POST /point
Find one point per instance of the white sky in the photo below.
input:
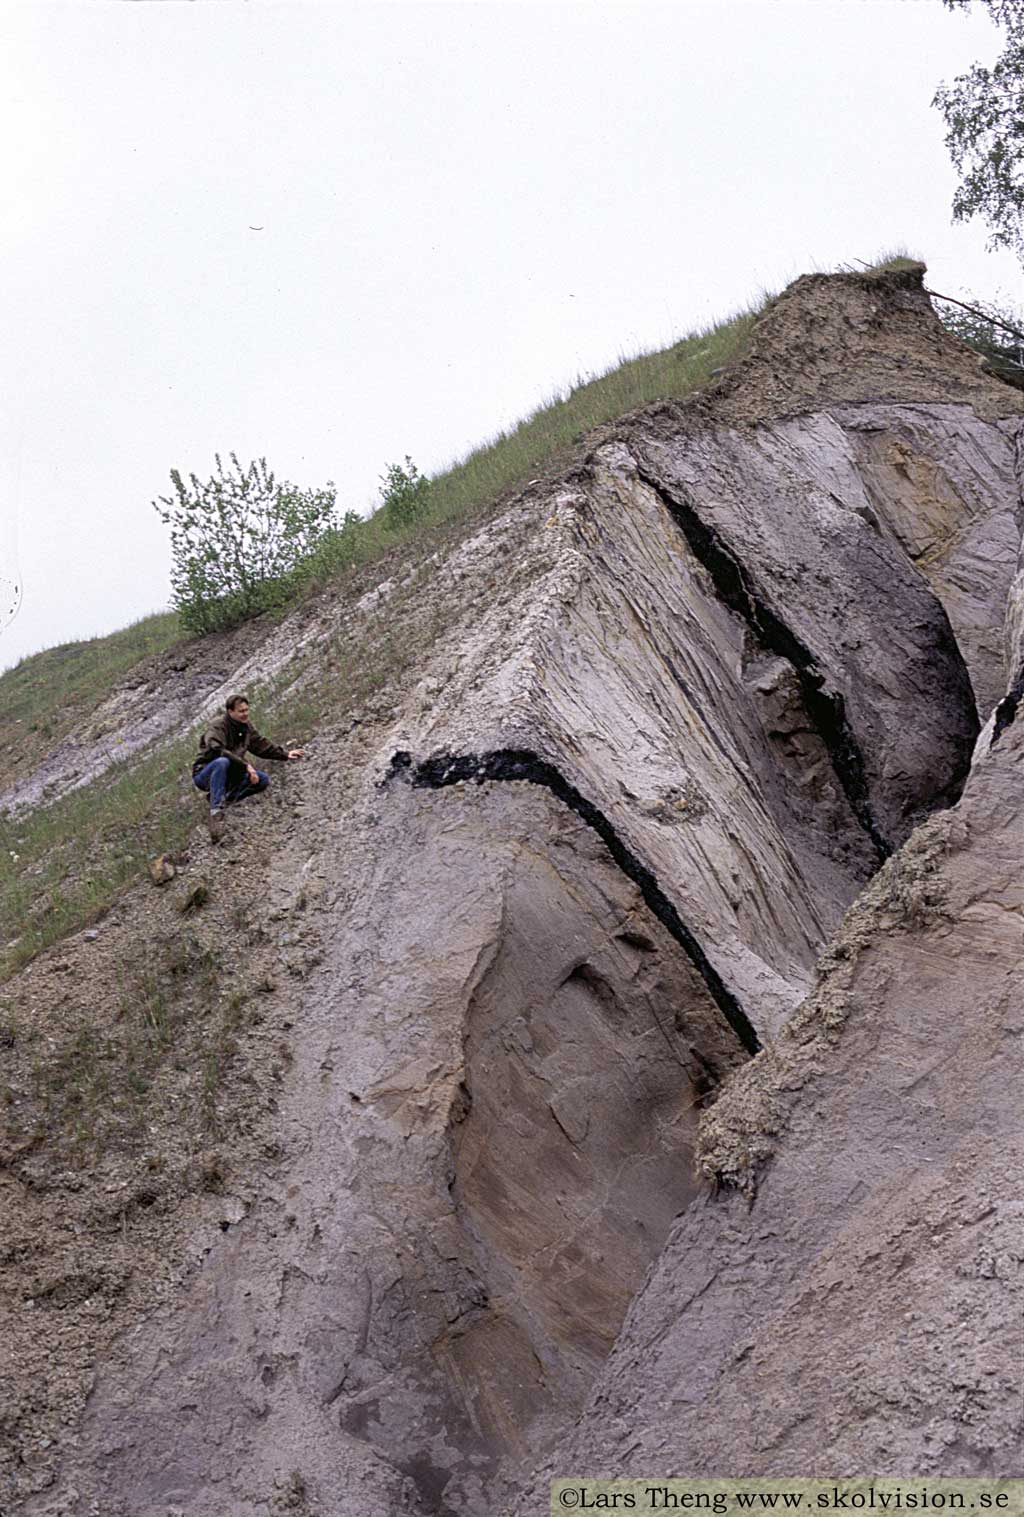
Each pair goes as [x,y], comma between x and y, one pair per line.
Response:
[463,206]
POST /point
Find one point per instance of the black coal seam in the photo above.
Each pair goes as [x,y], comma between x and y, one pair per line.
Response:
[826,710]
[521,764]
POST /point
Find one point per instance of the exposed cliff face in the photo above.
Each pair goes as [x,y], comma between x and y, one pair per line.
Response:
[539,913]
[860,1306]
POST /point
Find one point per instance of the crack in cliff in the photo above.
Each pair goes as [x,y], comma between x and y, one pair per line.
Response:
[825,708]
[1006,711]
[510,764]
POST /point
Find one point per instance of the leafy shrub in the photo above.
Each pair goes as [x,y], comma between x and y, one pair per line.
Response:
[238,539]
[336,550]
[404,493]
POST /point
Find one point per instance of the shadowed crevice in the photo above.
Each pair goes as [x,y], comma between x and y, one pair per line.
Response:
[825,708]
[1006,711]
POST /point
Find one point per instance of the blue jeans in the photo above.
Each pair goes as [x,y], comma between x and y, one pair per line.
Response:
[214,778]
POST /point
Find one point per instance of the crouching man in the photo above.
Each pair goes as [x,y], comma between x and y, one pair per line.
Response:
[221,768]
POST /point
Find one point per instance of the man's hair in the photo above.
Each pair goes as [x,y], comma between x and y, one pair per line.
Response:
[236,700]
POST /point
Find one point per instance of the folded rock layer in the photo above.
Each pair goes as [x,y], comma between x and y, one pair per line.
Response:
[649,878]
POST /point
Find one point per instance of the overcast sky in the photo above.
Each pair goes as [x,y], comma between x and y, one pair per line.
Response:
[461,207]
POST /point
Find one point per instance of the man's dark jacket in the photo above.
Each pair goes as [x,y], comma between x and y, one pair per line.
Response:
[228,738]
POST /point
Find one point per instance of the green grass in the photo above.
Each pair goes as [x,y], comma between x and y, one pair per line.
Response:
[84,670]
[62,866]
[547,438]
[889,261]
[34,695]
[509,458]
[47,695]
[893,263]
[93,1086]
[897,260]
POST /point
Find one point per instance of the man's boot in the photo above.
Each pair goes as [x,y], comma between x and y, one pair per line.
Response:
[216,826]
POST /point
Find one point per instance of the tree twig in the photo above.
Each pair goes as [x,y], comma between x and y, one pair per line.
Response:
[994,320]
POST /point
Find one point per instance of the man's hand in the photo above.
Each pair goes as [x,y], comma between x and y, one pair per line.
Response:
[254,778]
[296,753]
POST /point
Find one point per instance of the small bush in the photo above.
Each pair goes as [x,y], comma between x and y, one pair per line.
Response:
[238,540]
[337,550]
[404,494]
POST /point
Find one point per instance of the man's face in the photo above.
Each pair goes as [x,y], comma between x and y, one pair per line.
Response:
[240,713]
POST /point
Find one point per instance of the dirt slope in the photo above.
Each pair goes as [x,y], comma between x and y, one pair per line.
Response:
[331,1189]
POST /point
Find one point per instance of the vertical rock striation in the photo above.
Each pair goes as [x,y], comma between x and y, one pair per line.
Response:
[705,683]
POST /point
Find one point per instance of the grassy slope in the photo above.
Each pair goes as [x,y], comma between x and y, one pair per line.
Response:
[43,695]
[62,867]
[43,698]
[47,696]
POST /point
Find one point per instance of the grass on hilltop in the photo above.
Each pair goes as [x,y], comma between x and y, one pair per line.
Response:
[45,697]
[63,865]
[889,261]
[554,428]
